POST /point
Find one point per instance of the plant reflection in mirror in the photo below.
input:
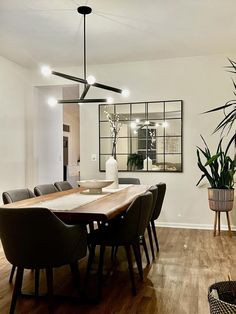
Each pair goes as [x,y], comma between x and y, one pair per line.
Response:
[115,126]
[152,135]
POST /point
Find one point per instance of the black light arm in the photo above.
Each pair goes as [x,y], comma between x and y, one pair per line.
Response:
[113,89]
[86,89]
[78,100]
[69,77]
[80,80]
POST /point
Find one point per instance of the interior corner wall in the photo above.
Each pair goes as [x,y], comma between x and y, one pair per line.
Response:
[14,96]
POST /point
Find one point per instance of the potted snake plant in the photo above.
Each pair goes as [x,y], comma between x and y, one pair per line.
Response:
[134,162]
[219,169]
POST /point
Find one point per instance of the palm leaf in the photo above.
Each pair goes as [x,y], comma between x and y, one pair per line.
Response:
[228,104]
[228,118]
[233,139]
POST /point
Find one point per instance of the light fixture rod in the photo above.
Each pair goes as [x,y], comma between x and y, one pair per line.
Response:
[86,89]
[85,69]
[69,77]
[113,89]
[78,100]
[80,80]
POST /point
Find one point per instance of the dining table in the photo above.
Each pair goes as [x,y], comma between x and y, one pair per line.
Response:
[78,205]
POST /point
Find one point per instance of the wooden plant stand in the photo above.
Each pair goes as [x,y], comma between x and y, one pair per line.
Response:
[217,219]
[221,200]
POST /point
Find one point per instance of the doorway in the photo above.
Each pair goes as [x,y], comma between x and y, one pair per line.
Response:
[65,157]
[71,136]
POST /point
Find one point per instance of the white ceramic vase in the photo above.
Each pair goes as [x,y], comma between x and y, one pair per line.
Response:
[112,172]
[147,164]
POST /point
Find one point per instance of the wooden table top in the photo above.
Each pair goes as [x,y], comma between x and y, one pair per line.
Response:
[102,209]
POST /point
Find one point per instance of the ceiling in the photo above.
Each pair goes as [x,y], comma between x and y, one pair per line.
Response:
[50,31]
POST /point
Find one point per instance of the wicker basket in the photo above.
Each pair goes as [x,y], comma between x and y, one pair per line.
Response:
[224,289]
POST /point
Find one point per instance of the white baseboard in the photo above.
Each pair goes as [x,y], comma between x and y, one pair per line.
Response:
[191,226]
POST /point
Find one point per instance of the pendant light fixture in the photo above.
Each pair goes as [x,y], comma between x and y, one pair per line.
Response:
[89,81]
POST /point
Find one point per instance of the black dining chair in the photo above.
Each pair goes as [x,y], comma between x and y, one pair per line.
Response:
[157,210]
[124,232]
[154,191]
[44,189]
[128,181]
[16,195]
[63,186]
[12,196]
[27,247]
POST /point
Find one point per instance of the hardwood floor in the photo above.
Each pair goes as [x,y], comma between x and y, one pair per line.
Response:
[176,282]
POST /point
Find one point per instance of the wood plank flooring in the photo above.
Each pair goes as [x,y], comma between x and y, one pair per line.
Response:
[176,282]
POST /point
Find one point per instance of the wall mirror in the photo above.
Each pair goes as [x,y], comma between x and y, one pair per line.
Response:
[149,139]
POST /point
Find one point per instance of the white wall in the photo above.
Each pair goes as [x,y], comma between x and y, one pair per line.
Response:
[202,83]
[15,94]
[48,137]
[31,132]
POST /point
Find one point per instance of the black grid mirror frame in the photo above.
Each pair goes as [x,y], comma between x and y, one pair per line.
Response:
[150,138]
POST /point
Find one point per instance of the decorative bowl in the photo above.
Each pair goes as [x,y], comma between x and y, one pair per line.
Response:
[94,186]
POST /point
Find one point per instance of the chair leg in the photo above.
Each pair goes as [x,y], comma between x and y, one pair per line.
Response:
[155,234]
[89,264]
[49,275]
[75,273]
[143,241]
[12,273]
[114,250]
[91,227]
[100,270]
[136,249]
[150,240]
[228,221]
[36,282]
[131,271]
[17,288]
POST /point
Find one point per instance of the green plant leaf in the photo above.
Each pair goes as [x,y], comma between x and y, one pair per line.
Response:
[228,104]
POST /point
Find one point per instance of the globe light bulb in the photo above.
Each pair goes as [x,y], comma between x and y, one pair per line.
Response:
[109,100]
[135,132]
[165,124]
[125,93]
[147,122]
[46,70]
[52,102]
[133,125]
[91,79]
[157,125]
[137,120]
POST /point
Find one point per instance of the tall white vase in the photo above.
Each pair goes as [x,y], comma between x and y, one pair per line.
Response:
[112,172]
[147,164]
